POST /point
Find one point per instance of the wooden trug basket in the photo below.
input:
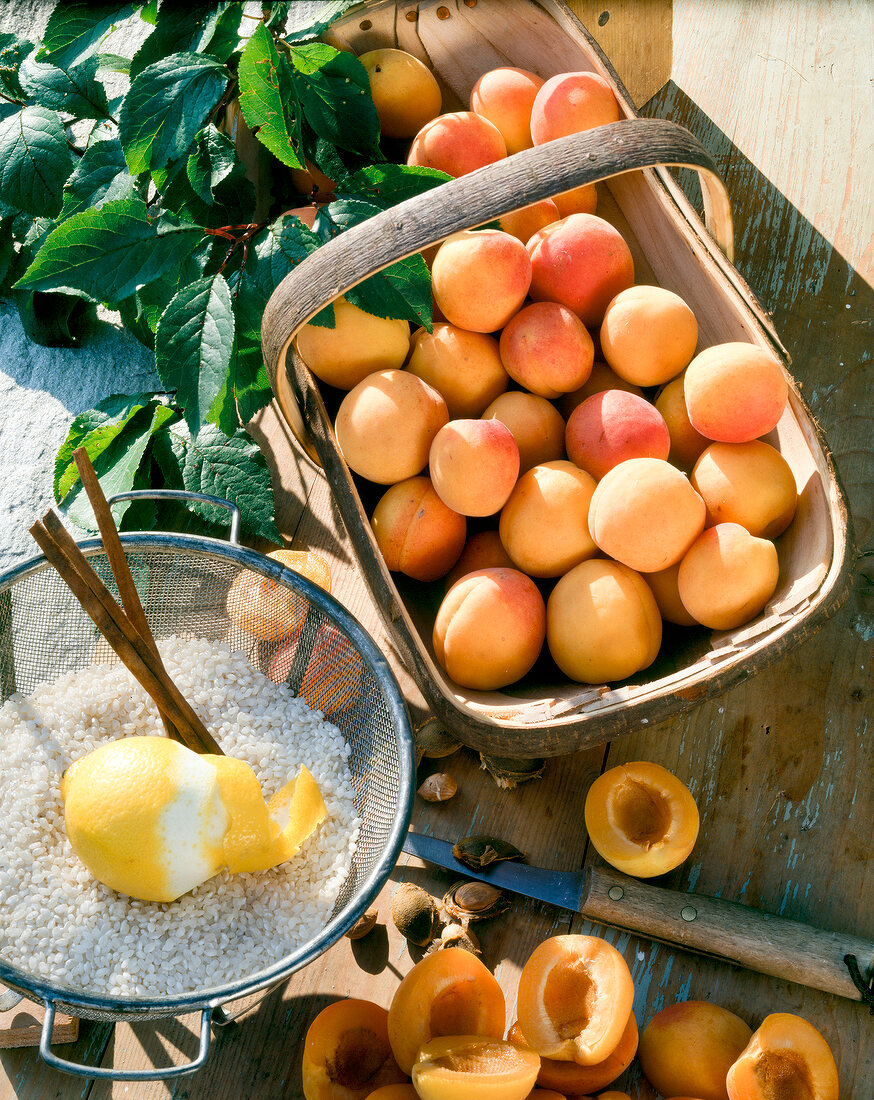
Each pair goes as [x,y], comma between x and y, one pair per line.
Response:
[544,715]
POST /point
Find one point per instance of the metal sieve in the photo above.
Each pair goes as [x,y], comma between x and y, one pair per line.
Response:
[183,583]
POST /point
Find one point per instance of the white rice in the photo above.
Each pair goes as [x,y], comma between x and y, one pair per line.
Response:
[59,924]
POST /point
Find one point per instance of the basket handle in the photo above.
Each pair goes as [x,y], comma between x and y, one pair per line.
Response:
[479,197]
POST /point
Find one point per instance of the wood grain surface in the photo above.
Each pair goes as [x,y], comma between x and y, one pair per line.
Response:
[781,766]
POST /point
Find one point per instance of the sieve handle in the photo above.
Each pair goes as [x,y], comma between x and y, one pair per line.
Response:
[109,1073]
[184,494]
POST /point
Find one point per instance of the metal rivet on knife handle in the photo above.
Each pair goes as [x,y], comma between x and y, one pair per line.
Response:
[616,893]
[688,912]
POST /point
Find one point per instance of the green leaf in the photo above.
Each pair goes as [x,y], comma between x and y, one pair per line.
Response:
[6,249]
[107,253]
[273,253]
[202,27]
[166,106]
[213,160]
[13,52]
[113,63]
[75,27]
[231,467]
[334,92]
[35,160]
[193,346]
[249,377]
[100,176]
[74,91]
[268,98]
[314,26]
[232,204]
[153,298]
[386,185]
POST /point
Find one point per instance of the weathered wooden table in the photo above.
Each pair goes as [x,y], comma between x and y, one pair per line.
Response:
[781,766]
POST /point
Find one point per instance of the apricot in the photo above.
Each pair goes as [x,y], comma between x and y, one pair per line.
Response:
[474,465]
[404,91]
[569,103]
[489,629]
[465,367]
[602,622]
[267,609]
[574,999]
[474,1068]
[417,534]
[448,993]
[747,483]
[641,819]
[570,1078]
[612,426]
[581,262]
[544,524]
[480,278]
[526,222]
[536,424]
[385,425]
[687,1049]
[727,576]
[579,200]
[613,1095]
[483,550]
[356,346]
[735,392]
[686,443]
[786,1057]
[547,349]
[313,183]
[545,1094]
[347,1054]
[602,378]
[394,1092]
[457,143]
[306,214]
[665,588]
[505,97]
[332,676]
[648,335]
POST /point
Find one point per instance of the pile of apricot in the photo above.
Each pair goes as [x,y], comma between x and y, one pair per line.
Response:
[559,432]
[443,1038]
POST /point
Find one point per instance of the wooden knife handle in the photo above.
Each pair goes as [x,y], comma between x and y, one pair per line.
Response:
[723,929]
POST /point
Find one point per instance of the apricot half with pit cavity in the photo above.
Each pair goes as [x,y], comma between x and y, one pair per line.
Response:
[475,1068]
[346,1053]
[641,818]
[786,1056]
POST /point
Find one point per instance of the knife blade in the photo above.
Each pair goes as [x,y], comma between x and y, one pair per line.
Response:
[725,930]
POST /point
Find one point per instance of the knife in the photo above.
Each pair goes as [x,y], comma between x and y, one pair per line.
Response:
[723,930]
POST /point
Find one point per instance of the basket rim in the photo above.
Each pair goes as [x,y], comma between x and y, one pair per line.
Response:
[176,1004]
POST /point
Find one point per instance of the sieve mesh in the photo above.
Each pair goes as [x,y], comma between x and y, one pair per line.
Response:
[326,658]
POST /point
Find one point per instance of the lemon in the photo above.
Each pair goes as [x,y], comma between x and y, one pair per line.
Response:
[152,819]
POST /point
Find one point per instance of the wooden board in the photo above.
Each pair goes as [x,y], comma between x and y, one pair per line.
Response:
[22,1026]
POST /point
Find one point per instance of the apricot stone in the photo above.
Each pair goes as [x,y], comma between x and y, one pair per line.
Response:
[404,91]
[474,1068]
[581,262]
[547,349]
[357,345]
[735,392]
[602,622]
[385,425]
[687,1049]
[505,97]
[457,143]
[465,367]
[544,525]
[483,550]
[747,483]
[347,1054]
[474,465]
[574,999]
[786,1057]
[686,443]
[602,378]
[489,629]
[571,102]
[727,576]
[415,531]
[645,514]
[641,819]
[526,222]
[480,278]
[448,993]
[571,1079]
[613,426]
[648,335]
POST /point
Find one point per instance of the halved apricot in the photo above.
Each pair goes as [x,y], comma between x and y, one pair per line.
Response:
[786,1057]
[687,1048]
[641,818]
[394,1092]
[472,1067]
[346,1054]
[546,1094]
[574,1000]
[573,1079]
[448,993]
